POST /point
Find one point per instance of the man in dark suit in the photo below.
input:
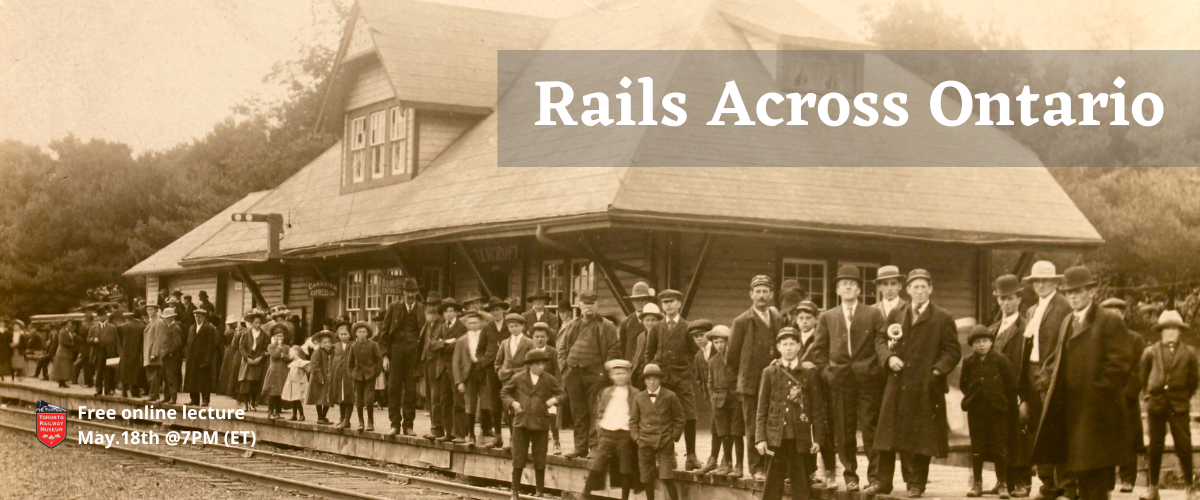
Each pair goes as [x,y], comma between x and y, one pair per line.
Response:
[439,353]
[845,353]
[1011,342]
[630,328]
[655,423]
[1133,387]
[751,349]
[103,338]
[1042,324]
[1084,379]
[401,342]
[538,313]
[172,358]
[672,348]
[202,353]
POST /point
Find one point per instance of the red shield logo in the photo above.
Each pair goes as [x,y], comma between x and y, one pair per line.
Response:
[51,424]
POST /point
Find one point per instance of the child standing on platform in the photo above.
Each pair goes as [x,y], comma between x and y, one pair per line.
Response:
[341,385]
[784,428]
[1170,374]
[988,386]
[541,333]
[320,371]
[277,371]
[296,387]
[728,424]
[364,364]
[656,421]
[617,452]
[530,394]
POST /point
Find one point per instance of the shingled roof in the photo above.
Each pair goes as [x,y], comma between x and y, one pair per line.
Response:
[849,180]
[166,260]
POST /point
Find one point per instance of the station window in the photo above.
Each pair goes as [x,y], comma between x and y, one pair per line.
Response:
[583,277]
[354,295]
[812,276]
[553,282]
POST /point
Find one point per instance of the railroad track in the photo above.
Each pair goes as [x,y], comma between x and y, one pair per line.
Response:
[301,474]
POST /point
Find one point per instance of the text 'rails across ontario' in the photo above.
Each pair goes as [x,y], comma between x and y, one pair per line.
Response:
[834,109]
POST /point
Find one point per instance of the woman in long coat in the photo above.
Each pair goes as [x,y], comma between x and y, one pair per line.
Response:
[320,374]
[253,350]
[341,384]
[202,352]
[231,364]
[64,356]
[913,415]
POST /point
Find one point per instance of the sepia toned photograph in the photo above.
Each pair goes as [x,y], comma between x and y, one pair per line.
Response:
[599,249]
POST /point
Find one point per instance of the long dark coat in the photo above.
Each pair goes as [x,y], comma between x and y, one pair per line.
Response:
[673,350]
[534,414]
[106,347]
[251,350]
[1016,349]
[129,370]
[202,352]
[1084,411]
[6,351]
[341,386]
[751,348]
[628,331]
[320,374]
[231,363]
[277,371]
[64,356]
[913,415]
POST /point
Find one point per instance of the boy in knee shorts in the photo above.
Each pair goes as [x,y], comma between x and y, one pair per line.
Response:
[617,451]
[728,425]
[655,423]
[530,395]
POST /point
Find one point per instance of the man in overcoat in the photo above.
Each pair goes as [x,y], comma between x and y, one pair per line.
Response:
[153,338]
[912,418]
[202,352]
[751,349]
[1084,381]
[1042,324]
[172,354]
[439,352]
[1011,342]
[1133,387]
[671,347]
[130,372]
[845,353]
[631,327]
[104,340]
[401,342]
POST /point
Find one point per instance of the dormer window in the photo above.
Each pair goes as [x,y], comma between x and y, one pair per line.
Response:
[378,148]
[378,154]
[358,146]
[821,71]
[397,136]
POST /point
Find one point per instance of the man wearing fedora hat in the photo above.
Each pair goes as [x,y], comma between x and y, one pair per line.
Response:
[400,339]
[497,332]
[153,338]
[1133,387]
[631,327]
[538,313]
[751,348]
[1083,379]
[440,357]
[586,343]
[912,417]
[172,354]
[1011,342]
[1042,324]
[845,353]
[889,281]
[1170,373]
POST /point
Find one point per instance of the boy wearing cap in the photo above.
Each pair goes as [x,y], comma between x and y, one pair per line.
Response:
[530,394]
[786,427]
[656,421]
[1024,405]
[631,330]
[1170,374]
[728,425]
[471,354]
[540,334]
[988,386]
[617,452]
[806,323]
[510,356]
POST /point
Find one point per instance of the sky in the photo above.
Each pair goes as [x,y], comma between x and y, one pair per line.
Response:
[155,73]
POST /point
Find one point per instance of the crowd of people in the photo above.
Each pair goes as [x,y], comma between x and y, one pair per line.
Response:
[1047,389]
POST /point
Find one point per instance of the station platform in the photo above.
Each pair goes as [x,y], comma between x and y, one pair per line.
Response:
[568,475]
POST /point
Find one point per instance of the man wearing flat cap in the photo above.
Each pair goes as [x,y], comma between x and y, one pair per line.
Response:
[672,348]
[585,344]
[912,418]
[400,339]
[1133,387]
[751,349]
[845,353]
[1084,380]
[1027,406]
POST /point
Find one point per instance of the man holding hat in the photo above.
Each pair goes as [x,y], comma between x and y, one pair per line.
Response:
[631,327]
[845,353]
[401,342]
[1026,407]
[671,347]
[203,352]
[103,338]
[751,349]
[585,344]
[912,418]
[538,313]
[440,357]
[1083,379]
[1133,387]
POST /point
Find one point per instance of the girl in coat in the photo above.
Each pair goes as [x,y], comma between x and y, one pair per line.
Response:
[231,361]
[253,351]
[364,364]
[341,386]
[296,386]
[277,371]
[320,371]
[64,357]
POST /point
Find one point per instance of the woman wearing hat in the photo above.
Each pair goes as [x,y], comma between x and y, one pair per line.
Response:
[231,361]
[253,350]
[320,375]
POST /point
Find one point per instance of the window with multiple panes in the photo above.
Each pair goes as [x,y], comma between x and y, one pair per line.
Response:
[378,139]
[868,271]
[358,146]
[812,276]
[397,140]
[583,277]
[379,152]
[553,281]
[374,295]
[354,295]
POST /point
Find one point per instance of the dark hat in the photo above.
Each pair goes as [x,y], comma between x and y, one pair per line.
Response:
[472,297]
[514,318]
[762,280]
[588,296]
[718,332]
[564,305]
[670,294]
[316,338]
[536,355]
[540,325]
[787,331]
[888,273]
[279,310]
[177,293]
[652,370]
[539,294]
[447,303]
[280,329]
[433,298]
[203,294]
[340,323]
[1077,277]
[1007,285]
[471,314]
[789,300]
[919,274]
[1114,303]
[411,285]
[699,327]
[354,329]
[809,306]
[848,272]
[789,284]
[641,291]
[1170,319]
[495,302]
[979,331]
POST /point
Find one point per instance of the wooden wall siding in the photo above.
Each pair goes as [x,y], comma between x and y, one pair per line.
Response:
[628,247]
[437,130]
[192,283]
[725,287]
[271,287]
[371,87]
[298,291]
[953,269]
[151,288]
